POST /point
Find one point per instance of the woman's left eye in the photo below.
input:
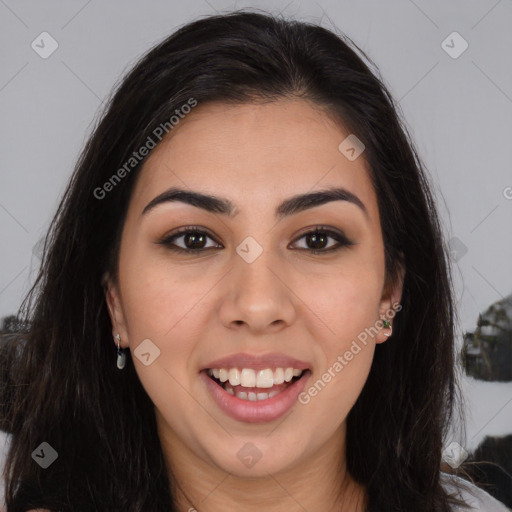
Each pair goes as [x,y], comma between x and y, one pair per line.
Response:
[318,238]
[193,237]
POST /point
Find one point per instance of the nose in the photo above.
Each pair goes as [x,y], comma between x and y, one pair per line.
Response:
[258,296]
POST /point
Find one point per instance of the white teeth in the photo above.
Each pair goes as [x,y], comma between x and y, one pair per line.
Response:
[265,378]
[234,377]
[248,378]
[254,397]
[279,376]
[251,395]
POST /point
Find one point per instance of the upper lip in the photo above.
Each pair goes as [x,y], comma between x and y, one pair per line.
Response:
[257,362]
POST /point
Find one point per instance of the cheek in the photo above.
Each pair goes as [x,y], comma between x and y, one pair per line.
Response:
[157,296]
[346,299]
[160,308]
[346,306]
[331,394]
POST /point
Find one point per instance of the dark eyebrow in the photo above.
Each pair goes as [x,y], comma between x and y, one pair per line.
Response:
[290,206]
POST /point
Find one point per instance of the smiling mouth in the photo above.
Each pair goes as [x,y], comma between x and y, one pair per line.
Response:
[255,385]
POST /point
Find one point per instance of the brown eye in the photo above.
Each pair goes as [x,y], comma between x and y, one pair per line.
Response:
[193,240]
[317,240]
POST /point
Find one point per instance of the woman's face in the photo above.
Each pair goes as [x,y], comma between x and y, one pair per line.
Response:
[254,299]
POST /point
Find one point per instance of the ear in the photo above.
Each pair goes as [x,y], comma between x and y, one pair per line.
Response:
[115,310]
[390,304]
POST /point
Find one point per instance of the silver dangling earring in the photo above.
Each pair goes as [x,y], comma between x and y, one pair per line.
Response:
[387,325]
[121,356]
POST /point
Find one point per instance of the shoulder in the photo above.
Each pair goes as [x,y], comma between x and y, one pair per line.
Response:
[476,498]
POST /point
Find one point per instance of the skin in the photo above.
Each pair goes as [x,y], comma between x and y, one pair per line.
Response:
[199,307]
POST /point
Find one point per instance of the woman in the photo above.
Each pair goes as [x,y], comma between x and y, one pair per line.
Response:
[244,300]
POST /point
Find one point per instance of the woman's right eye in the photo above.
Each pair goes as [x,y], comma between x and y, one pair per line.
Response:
[193,240]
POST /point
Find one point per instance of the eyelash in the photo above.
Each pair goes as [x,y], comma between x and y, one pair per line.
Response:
[342,240]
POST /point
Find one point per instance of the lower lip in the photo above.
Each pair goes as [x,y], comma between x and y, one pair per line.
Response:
[259,411]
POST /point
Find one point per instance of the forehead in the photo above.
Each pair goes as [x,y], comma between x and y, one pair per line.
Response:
[253,152]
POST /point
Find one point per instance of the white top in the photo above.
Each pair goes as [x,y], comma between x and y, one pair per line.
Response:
[477,499]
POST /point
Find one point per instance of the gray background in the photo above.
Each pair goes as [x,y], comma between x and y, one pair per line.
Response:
[458,110]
